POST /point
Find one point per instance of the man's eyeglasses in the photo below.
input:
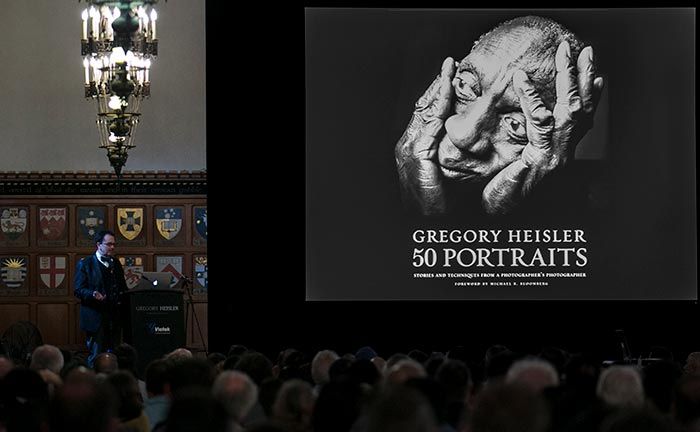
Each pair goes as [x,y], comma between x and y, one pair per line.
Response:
[109,244]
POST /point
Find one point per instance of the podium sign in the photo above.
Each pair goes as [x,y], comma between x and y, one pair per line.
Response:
[156,323]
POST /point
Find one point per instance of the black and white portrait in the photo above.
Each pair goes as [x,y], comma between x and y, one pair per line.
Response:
[500,154]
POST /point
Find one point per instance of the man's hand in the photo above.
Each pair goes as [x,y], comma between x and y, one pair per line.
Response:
[416,151]
[552,136]
[99,296]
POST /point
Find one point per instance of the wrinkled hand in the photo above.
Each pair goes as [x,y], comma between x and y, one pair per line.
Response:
[552,135]
[416,150]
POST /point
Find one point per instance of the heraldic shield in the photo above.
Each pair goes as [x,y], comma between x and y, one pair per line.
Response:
[169,222]
[13,221]
[130,222]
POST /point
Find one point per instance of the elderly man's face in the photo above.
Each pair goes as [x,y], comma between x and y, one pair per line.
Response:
[488,130]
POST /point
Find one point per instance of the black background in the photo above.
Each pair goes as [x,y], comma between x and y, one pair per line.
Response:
[286,209]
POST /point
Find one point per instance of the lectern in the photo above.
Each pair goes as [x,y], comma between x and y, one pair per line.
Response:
[155,324]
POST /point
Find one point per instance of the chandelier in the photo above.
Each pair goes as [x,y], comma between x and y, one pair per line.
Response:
[118,43]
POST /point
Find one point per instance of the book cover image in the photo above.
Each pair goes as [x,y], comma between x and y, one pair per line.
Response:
[500,155]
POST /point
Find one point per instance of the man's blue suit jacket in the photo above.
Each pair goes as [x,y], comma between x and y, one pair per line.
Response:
[89,278]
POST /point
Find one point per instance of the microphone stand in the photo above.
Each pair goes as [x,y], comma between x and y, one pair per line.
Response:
[186,283]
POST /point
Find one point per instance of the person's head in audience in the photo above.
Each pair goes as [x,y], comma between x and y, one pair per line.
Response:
[338,406]
[24,400]
[497,365]
[129,403]
[294,405]
[339,369]
[692,363]
[194,409]
[79,374]
[365,352]
[73,363]
[455,378]
[512,407]
[127,358]
[435,359]
[557,357]
[380,364]
[83,405]
[217,360]
[404,370]
[635,420]
[238,350]
[686,402]
[179,354]
[659,378]
[458,352]
[401,409]
[157,378]
[620,386]
[493,351]
[267,392]
[418,355]
[582,369]
[47,357]
[292,363]
[230,362]
[363,371]
[190,372]
[106,363]
[320,365]
[237,392]
[435,394]
[395,358]
[6,365]
[536,373]
[256,365]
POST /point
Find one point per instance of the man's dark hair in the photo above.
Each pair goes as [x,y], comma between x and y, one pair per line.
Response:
[128,396]
[236,350]
[24,400]
[83,406]
[401,409]
[195,409]
[510,407]
[686,401]
[659,379]
[156,376]
[127,357]
[191,372]
[216,357]
[338,406]
[454,376]
[100,235]
[256,365]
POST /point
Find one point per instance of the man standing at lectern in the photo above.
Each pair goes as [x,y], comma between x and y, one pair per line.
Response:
[99,284]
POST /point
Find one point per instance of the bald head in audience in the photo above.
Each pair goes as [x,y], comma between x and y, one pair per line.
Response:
[534,373]
[106,363]
[621,386]
[237,392]
[47,357]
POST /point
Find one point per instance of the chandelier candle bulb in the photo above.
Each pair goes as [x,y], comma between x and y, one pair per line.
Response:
[95,21]
[86,65]
[84,16]
[154,17]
